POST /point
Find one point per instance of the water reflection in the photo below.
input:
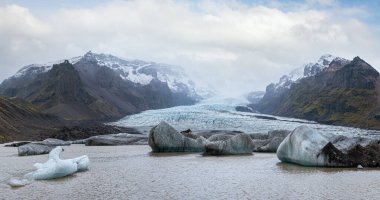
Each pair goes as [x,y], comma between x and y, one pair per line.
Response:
[297,169]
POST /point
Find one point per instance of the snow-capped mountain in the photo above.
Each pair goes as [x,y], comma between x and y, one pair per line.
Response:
[344,93]
[136,71]
[41,68]
[100,86]
[275,91]
[304,71]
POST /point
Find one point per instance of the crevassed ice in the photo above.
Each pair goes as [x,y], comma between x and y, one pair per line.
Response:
[222,116]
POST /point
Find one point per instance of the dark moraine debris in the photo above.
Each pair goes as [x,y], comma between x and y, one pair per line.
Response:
[352,152]
[117,139]
[244,109]
[84,130]
[209,133]
[309,147]
[189,133]
[265,117]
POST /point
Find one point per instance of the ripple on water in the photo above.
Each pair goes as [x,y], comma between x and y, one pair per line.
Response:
[134,173]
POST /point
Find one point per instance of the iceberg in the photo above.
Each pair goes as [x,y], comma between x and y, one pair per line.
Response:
[53,168]
[303,146]
[309,147]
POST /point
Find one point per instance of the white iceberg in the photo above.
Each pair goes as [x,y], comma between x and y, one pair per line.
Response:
[53,168]
[303,146]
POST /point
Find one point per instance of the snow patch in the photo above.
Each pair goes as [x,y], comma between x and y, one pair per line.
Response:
[42,68]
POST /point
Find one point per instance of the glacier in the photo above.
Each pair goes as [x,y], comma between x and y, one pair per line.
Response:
[220,114]
[53,168]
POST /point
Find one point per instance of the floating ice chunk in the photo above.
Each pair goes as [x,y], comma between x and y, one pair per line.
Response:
[303,146]
[83,162]
[18,182]
[53,168]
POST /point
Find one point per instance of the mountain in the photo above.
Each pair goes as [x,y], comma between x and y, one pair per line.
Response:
[100,87]
[274,92]
[20,120]
[342,93]
[255,97]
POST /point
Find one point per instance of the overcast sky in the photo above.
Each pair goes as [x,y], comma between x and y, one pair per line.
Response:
[232,46]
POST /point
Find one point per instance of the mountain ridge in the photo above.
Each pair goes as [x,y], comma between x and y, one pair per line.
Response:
[100,87]
[341,94]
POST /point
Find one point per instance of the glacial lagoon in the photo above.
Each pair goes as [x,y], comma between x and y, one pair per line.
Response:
[132,172]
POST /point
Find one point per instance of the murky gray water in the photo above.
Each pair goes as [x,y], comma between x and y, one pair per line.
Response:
[131,172]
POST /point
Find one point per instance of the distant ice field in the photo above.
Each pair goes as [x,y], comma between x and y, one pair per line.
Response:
[220,114]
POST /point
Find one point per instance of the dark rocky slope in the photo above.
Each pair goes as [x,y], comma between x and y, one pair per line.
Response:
[342,94]
[20,120]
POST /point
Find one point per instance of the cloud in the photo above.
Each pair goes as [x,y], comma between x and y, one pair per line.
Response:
[231,46]
[322,2]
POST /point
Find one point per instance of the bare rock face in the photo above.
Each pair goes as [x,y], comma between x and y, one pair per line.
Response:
[164,138]
[238,144]
[309,147]
[34,149]
[117,139]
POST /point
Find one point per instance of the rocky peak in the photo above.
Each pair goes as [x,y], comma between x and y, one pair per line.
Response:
[88,54]
[307,70]
[357,59]
[326,59]
[361,64]
[356,74]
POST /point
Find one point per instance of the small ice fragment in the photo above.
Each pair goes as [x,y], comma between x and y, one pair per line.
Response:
[18,182]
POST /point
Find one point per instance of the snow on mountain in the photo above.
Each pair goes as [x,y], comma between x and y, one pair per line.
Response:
[41,68]
[136,71]
[306,70]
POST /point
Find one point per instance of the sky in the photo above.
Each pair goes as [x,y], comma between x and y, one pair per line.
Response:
[232,46]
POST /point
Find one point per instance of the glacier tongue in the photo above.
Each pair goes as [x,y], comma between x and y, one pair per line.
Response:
[220,114]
